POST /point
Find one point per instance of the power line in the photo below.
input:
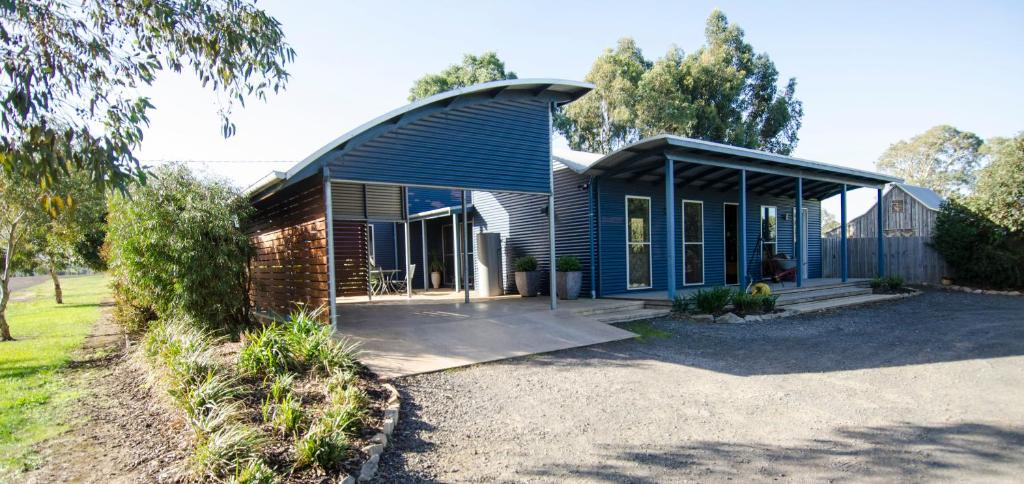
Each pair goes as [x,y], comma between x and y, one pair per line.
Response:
[215,161]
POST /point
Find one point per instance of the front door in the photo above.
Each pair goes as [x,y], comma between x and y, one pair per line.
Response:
[732,243]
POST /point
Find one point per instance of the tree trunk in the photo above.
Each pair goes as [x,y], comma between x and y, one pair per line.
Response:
[57,293]
[5,330]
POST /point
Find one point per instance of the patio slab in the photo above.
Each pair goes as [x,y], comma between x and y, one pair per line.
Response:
[407,337]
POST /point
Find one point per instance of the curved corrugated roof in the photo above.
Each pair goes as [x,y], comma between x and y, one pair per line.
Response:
[577,161]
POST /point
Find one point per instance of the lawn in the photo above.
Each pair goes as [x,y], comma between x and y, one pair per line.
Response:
[33,392]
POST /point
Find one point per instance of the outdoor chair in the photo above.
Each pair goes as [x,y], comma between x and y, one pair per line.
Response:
[401,284]
[376,279]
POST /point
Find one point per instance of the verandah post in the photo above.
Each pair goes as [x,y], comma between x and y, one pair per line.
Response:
[844,259]
[879,213]
[465,247]
[800,236]
[670,218]
[742,232]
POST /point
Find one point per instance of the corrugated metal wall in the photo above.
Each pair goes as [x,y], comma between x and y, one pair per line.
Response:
[523,224]
[488,144]
[612,271]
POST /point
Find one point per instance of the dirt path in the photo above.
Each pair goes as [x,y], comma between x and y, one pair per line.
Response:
[119,431]
[924,389]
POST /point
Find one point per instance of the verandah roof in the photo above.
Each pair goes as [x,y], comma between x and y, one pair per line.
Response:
[713,166]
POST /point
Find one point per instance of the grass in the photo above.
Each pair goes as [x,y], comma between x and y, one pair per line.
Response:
[645,330]
[33,394]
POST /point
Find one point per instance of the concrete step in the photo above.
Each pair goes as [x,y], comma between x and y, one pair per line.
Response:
[610,306]
[840,302]
[631,315]
[821,294]
[791,287]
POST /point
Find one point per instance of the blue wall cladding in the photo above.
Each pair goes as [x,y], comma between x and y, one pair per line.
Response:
[425,199]
[489,144]
[612,240]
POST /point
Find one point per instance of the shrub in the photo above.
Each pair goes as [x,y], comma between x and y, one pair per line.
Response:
[747,303]
[322,447]
[280,387]
[680,304]
[712,301]
[255,472]
[202,397]
[569,263]
[526,264]
[887,284]
[224,451]
[267,352]
[288,416]
[176,244]
[768,302]
[978,251]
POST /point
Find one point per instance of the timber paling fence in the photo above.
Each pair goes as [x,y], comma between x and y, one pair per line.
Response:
[909,257]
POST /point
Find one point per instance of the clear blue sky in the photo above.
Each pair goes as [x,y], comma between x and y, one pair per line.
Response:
[868,73]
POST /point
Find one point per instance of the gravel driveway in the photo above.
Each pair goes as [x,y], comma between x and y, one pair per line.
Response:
[930,387]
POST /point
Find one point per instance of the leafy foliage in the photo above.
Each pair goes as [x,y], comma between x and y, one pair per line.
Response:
[747,303]
[73,69]
[979,251]
[177,245]
[525,264]
[943,159]
[723,92]
[999,192]
[569,263]
[887,284]
[473,70]
[268,352]
[713,300]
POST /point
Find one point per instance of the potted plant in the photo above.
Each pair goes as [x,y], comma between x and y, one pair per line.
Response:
[570,279]
[947,281]
[527,277]
[436,268]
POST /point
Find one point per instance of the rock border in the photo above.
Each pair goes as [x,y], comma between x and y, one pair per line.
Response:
[380,440]
[973,290]
[733,318]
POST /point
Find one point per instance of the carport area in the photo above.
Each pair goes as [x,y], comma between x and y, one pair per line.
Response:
[401,336]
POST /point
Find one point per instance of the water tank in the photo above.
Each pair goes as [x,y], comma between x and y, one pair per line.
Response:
[488,246]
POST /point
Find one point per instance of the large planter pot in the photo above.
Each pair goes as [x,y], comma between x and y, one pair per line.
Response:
[568,284]
[435,279]
[527,283]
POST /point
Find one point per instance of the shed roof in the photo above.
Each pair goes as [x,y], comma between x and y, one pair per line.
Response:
[926,196]
[578,161]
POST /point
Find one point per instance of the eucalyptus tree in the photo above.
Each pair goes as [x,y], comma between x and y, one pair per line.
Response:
[72,71]
[943,159]
[724,91]
[473,70]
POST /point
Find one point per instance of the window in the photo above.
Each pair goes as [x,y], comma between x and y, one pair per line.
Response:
[897,206]
[638,242]
[769,235]
[693,242]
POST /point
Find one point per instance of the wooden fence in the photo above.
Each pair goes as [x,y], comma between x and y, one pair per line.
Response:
[909,257]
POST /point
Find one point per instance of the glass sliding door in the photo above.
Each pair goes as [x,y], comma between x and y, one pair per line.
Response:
[638,242]
[693,242]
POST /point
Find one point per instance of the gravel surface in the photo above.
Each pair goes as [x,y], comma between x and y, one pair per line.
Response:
[925,388]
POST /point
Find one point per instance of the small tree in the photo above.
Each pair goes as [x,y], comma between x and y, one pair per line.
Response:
[976,249]
[828,221]
[21,215]
[999,193]
[177,246]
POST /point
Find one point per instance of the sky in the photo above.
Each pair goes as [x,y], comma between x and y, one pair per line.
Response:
[868,73]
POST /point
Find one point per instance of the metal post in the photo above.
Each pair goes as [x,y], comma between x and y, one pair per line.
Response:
[844,259]
[799,242]
[670,224]
[332,291]
[423,245]
[590,233]
[553,284]
[879,212]
[465,247]
[455,249]
[741,210]
[408,263]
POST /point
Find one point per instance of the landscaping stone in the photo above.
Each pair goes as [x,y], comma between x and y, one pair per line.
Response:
[729,318]
[753,318]
[703,317]
[348,480]
[369,468]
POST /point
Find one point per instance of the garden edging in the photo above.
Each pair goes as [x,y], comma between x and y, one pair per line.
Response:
[380,440]
[733,318]
[972,290]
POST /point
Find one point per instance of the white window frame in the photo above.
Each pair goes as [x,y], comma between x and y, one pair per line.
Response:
[760,227]
[703,255]
[725,259]
[650,235]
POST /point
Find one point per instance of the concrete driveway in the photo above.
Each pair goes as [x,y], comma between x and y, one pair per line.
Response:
[929,388]
[400,338]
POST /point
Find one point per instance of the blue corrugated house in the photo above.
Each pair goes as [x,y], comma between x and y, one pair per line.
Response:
[662,214]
